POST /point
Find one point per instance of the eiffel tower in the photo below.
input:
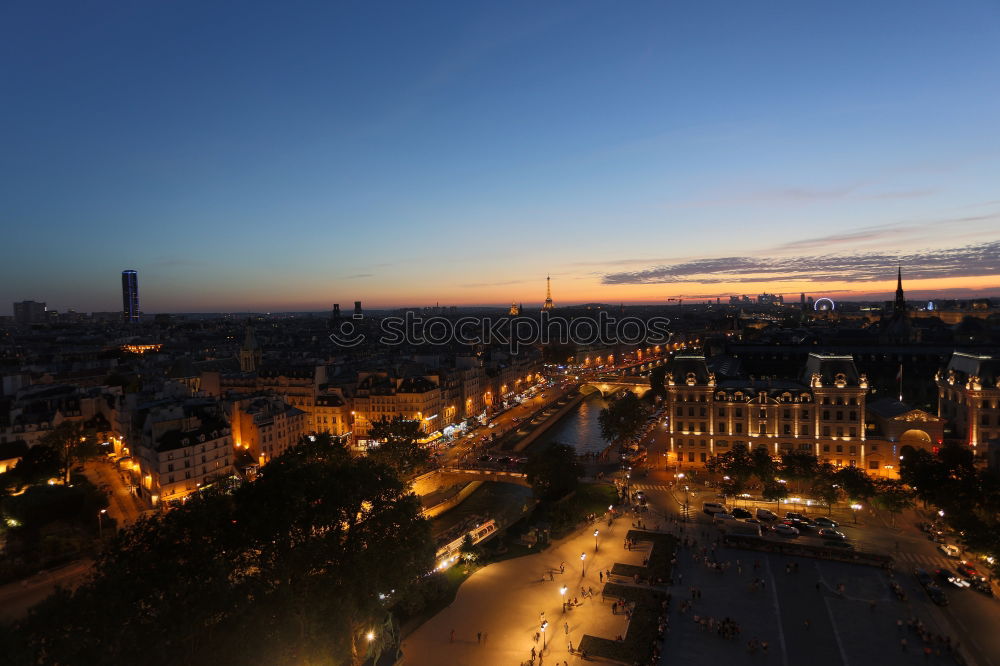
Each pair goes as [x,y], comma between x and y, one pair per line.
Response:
[549,305]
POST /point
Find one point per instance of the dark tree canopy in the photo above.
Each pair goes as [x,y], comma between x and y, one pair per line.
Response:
[284,570]
[397,445]
[553,471]
[624,417]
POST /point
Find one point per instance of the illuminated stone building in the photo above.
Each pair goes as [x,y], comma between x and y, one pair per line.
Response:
[382,395]
[266,426]
[822,412]
[184,446]
[969,398]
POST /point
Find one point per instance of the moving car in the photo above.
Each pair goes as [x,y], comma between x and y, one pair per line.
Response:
[967,570]
[923,577]
[949,550]
[937,595]
[946,576]
[823,521]
[782,529]
[830,533]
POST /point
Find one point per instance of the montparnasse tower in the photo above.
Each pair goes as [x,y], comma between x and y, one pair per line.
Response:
[548,305]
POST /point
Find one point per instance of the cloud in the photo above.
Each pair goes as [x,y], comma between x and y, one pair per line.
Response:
[880,232]
[967,261]
[358,276]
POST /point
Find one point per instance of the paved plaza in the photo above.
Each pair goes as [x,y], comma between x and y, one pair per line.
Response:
[800,611]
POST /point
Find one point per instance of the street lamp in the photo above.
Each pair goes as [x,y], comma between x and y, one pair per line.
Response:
[545,625]
[100,524]
[856,507]
[562,592]
[583,564]
[596,532]
[370,636]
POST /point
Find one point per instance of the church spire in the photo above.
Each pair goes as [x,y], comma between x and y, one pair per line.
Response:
[900,305]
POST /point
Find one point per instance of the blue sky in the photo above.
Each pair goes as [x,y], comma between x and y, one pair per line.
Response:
[273,156]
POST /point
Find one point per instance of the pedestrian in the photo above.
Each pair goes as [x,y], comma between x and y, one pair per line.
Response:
[566,627]
[600,576]
[479,637]
[570,647]
[532,653]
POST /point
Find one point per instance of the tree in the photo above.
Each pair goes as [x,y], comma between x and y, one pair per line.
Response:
[38,464]
[857,486]
[553,471]
[774,491]
[762,465]
[74,441]
[468,549]
[657,377]
[736,468]
[397,445]
[825,487]
[893,496]
[623,418]
[284,570]
[799,466]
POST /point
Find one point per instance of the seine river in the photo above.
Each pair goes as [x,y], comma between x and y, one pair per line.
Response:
[579,429]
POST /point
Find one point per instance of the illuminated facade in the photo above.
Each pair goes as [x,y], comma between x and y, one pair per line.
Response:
[266,427]
[969,397]
[823,413]
[181,451]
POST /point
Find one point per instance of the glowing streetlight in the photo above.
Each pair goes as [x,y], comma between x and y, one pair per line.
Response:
[583,564]
[856,508]
[545,625]
[596,532]
[562,592]
[100,523]
[370,636]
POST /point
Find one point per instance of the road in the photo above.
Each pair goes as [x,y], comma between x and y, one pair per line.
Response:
[17,598]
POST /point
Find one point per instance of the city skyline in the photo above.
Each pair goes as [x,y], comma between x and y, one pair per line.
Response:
[407,156]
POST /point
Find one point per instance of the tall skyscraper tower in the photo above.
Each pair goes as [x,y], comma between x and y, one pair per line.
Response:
[130,296]
[548,305]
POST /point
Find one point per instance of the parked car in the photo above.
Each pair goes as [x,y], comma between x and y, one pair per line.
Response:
[712,508]
[800,525]
[741,513]
[947,576]
[766,515]
[830,533]
[949,550]
[753,521]
[782,529]
[823,521]
[792,515]
[722,517]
